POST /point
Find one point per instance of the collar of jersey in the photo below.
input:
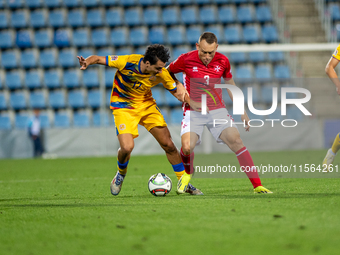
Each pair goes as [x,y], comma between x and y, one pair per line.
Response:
[140,71]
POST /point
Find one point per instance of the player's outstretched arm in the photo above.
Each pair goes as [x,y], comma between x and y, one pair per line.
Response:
[330,71]
[84,63]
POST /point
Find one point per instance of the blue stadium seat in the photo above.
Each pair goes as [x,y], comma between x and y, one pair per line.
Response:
[217,30]
[52,78]
[282,72]
[33,79]
[270,34]
[95,17]
[133,16]
[52,3]
[263,72]
[257,56]
[94,98]
[43,38]
[124,51]
[208,14]
[105,51]
[86,52]
[81,37]
[267,93]
[91,78]
[232,34]
[147,2]
[18,100]
[263,14]
[108,96]
[81,119]
[227,14]
[184,2]
[63,37]
[5,122]
[221,1]
[68,58]
[57,18]
[114,17]
[245,14]
[24,38]
[170,15]
[76,99]
[238,57]
[239,1]
[152,16]
[71,3]
[189,15]
[62,120]
[30,58]
[158,95]
[176,116]
[165,113]
[119,36]
[110,2]
[10,59]
[38,18]
[177,51]
[255,98]
[99,37]
[57,99]
[170,100]
[193,33]
[140,50]
[128,3]
[33,4]
[251,34]
[19,19]
[76,18]
[91,3]
[48,58]
[6,39]
[37,100]
[14,79]
[97,118]
[176,35]
[258,1]
[201,2]
[21,120]
[139,36]
[157,35]
[243,74]
[4,20]
[45,121]
[3,102]
[108,77]
[276,56]
[15,4]
[72,78]
[334,9]
[165,2]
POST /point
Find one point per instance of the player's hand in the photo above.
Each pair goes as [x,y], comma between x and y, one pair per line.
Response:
[82,62]
[246,119]
[181,91]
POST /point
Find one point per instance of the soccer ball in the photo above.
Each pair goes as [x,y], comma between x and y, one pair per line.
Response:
[159,185]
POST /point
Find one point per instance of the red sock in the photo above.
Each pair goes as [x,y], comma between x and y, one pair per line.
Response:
[188,161]
[247,164]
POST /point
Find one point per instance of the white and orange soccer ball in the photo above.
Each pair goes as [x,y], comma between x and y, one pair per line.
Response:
[159,184]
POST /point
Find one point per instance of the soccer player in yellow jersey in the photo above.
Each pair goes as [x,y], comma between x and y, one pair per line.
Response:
[132,104]
[330,71]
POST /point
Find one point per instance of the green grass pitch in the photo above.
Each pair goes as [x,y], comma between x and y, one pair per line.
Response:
[64,206]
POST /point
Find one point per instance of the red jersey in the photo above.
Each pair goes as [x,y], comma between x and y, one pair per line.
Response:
[199,78]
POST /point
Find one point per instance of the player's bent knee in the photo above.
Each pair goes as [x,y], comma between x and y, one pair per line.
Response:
[127,149]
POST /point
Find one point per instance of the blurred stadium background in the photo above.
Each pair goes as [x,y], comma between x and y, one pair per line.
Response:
[269,43]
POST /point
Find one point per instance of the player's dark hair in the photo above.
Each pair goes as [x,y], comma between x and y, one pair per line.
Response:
[156,52]
[208,37]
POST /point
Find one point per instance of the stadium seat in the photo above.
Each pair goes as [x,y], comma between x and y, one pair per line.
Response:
[95,17]
[170,100]
[334,10]
[263,72]
[133,16]
[119,36]
[227,14]
[202,2]
[165,2]
[91,78]
[267,93]
[176,35]
[263,14]
[68,58]
[221,1]
[128,3]
[3,101]
[6,39]
[48,58]
[244,74]
[33,79]
[108,77]
[256,95]
[110,2]
[81,37]
[193,33]
[72,78]
[94,98]
[170,15]
[257,57]
[165,113]
[15,4]
[81,119]
[105,51]
[4,20]
[21,120]
[76,18]
[152,16]
[10,59]
[14,79]
[33,4]
[38,18]
[43,38]
[37,99]
[63,37]
[238,57]
[147,2]
[251,33]
[62,120]
[99,37]
[114,16]
[282,72]
[108,97]
[97,118]
[184,2]
[24,38]
[139,36]
[245,14]
[57,99]
[45,120]
[91,3]
[76,99]
[124,51]
[71,3]
[5,122]
[270,34]
[52,3]
[30,58]
[208,14]
[276,56]
[57,18]
[18,100]
[86,52]
[52,78]
[217,30]
[176,116]
[19,19]
[232,34]
[158,95]
[157,35]
[177,51]
[140,50]
[189,15]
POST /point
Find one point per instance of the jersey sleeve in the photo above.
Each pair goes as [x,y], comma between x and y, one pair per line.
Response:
[115,61]
[167,80]
[336,53]
[178,65]
[227,75]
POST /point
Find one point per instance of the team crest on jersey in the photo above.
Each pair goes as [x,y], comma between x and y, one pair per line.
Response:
[122,127]
[217,69]
[114,58]
[152,78]
[195,69]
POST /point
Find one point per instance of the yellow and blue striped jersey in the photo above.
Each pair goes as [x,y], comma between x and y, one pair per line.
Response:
[131,88]
[336,53]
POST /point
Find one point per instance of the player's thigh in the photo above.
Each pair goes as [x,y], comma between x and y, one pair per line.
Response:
[231,137]
[189,141]
[220,120]
[126,121]
[193,122]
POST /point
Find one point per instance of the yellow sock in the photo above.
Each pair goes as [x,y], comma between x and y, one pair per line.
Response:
[122,168]
[336,144]
[179,174]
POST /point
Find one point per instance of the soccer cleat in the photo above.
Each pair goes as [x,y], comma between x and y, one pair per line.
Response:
[261,189]
[328,160]
[116,184]
[193,191]
[183,183]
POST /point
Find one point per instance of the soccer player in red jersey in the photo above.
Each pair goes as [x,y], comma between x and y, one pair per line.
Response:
[202,69]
